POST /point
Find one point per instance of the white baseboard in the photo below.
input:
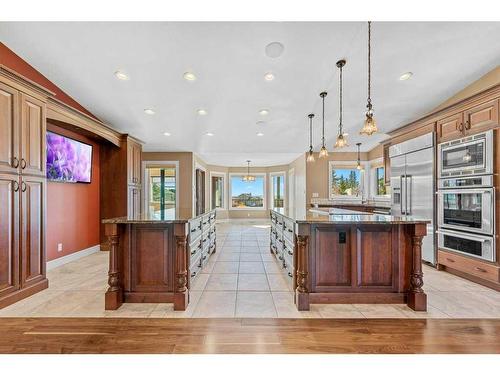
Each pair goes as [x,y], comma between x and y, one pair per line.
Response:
[72,257]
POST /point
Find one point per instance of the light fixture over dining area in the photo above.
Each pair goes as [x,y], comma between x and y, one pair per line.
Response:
[248,177]
[370,125]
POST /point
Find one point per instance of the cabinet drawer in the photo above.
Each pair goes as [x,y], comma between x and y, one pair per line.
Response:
[195,249]
[195,267]
[474,267]
[288,248]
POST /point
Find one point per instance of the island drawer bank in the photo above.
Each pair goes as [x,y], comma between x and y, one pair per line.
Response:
[154,256]
[341,256]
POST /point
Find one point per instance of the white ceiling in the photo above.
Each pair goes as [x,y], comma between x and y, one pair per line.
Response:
[230,62]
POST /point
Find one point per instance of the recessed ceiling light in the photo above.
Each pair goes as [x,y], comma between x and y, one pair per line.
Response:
[274,49]
[260,134]
[209,134]
[269,76]
[264,112]
[121,75]
[261,123]
[201,112]
[188,76]
[149,111]
[405,76]
[166,134]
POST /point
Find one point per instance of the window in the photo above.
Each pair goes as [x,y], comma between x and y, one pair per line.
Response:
[162,188]
[217,189]
[380,181]
[247,195]
[345,182]
[278,190]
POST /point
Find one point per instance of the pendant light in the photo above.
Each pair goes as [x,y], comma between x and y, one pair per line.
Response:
[323,153]
[310,154]
[248,177]
[358,166]
[341,137]
[370,125]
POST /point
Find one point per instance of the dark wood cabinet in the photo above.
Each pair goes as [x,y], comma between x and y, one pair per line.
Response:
[33,133]
[22,190]
[134,158]
[134,201]
[9,235]
[9,144]
[451,127]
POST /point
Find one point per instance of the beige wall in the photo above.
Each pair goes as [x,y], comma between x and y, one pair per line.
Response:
[185,178]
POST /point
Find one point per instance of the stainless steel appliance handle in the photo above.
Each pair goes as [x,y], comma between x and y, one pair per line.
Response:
[467,237]
[465,191]
[410,195]
[403,195]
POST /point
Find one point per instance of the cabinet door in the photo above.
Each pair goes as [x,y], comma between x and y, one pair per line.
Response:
[137,163]
[137,201]
[9,130]
[451,127]
[481,118]
[33,132]
[9,234]
[387,165]
[32,230]
[134,201]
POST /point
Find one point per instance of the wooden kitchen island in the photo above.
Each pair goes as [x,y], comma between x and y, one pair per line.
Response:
[341,256]
[155,256]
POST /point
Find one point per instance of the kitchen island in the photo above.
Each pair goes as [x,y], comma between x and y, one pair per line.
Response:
[342,256]
[155,256]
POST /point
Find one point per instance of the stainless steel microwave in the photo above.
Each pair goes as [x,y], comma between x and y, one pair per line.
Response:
[467,156]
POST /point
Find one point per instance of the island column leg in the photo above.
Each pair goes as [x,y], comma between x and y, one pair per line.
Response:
[302,292]
[181,293]
[114,295]
[417,299]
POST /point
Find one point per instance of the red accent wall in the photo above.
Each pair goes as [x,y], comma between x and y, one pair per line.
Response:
[12,61]
[73,209]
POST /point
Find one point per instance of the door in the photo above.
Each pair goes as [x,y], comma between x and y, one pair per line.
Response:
[32,136]
[161,189]
[32,230]
[420,195]
[9,144]
[451,127]
[137,149]
[291,191]
[200,192]
[9,234]
[481,118]
[398,170]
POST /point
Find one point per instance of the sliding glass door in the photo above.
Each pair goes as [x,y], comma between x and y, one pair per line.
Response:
[162,187]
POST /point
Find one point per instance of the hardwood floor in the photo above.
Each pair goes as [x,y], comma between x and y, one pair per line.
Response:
[248,335]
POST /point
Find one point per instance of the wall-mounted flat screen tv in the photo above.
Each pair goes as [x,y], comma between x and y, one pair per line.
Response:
[68,160]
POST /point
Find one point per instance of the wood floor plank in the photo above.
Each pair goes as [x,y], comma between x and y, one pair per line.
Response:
[137,335]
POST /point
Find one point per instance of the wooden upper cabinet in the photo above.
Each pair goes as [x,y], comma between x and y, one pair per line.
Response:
[451,127]
[134,158]
[9,146]
[481,117]
[9,234]
[32,230]
[33,128]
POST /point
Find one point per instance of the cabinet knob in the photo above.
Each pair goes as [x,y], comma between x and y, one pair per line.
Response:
[467,125]
[23,163]
[15,162]
[16,186]
[23,186]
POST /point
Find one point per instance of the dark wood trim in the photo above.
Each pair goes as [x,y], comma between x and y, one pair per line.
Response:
[23,293]
[181,295]
[114,294]
[358,297]
[417,299]
[302,291]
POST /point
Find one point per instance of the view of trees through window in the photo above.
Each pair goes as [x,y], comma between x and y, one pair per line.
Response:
[346,182]
[162,188]
[380,176]
[278,191]
[247,194]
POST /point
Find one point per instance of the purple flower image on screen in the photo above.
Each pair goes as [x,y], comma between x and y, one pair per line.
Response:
[68,160]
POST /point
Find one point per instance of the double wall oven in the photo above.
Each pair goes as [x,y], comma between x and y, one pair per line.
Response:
[466,197]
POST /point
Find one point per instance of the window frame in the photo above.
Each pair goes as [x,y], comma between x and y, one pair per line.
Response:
[224,189]
[145,178]
[271,188]
[230,193]
[338,165]
[375,164]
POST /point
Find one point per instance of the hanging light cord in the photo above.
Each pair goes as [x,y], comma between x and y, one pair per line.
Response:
[310,133]
[340,125]
[323,134]
[369,105]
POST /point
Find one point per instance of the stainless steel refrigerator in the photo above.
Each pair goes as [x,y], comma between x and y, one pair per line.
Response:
[412,185]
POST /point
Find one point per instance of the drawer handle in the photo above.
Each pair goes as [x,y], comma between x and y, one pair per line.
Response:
[467,125]
[16,186]
[193,230]
[290,274]
[204,257]
[450,260]
[480,269]
[15,162]
[290,252]
[461,127]
[23,163]
[291,231]
[280,257]
[23,186]
[193,274]
[193,252]
[204,240]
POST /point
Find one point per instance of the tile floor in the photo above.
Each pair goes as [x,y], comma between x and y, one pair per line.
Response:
[242,280]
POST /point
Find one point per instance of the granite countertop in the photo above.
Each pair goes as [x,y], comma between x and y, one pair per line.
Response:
[341,216]
[170,215]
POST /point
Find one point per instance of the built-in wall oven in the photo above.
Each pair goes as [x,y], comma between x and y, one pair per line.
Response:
[478,246]
[468,204]
[467,156]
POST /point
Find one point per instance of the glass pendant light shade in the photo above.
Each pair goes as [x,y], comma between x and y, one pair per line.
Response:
[358,165]
[323,153]
[310,157]
[341,141]
[370,125]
